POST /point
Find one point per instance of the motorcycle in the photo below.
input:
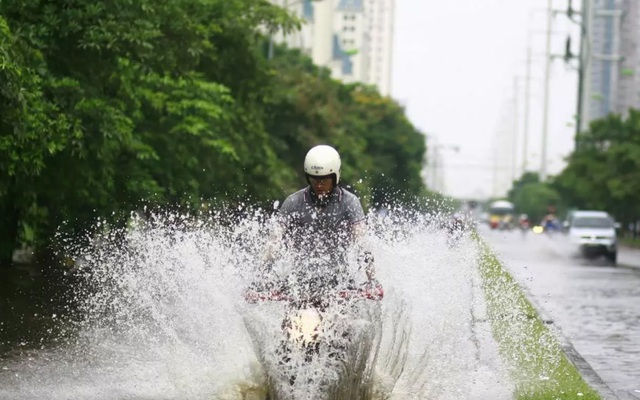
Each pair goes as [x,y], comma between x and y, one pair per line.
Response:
[317,332]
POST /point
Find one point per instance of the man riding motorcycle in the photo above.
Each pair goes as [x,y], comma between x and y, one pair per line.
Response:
[316,229]
[320,224]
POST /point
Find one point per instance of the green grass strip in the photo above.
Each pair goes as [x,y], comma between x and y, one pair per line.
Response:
[631,242]
[538,366]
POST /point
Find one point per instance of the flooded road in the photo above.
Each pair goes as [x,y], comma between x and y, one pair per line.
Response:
[596,306]
[162,316]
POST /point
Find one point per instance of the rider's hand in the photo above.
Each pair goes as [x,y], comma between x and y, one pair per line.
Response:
[365,260]
[374,290]
[251,294]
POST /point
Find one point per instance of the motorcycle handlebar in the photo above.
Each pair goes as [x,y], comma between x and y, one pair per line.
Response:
[371,292]
[253,296]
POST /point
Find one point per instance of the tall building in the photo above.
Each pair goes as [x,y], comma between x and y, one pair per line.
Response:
[353,38]
[628,84]
[339,38]
[302,39]
[380,15]
[611,54]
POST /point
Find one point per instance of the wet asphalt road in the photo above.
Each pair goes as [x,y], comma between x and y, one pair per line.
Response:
[596,307]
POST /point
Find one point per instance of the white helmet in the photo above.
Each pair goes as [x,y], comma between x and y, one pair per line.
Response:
[322,160]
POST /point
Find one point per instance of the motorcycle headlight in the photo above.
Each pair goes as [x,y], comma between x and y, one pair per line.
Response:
[306,326]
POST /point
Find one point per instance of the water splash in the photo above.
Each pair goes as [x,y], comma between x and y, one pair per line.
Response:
[162,316]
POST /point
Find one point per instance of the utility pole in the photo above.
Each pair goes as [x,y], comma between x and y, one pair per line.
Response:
[434,165]
[514,150]
[494,189]
[584,64]
[527,89]
[545,110]
[436,162]
[584,67]
[527,96]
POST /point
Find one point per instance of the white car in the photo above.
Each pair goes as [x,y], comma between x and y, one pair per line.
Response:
[593,233]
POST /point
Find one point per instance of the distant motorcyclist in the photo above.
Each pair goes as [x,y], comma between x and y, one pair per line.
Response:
[523,222]
[550,223]
[456,224]
[455,228]
[507,222]
[321,223]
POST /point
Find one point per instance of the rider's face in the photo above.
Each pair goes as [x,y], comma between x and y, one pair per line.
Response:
[322,185]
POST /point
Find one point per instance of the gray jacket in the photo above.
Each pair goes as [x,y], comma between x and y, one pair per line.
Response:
[322,230]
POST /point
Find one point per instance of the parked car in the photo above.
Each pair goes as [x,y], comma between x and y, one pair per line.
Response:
[593,234]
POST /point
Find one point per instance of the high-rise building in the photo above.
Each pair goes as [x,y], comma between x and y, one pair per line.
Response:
[611,51]
[353,38]
[628,84]
[302,39]
[339,39]
[380,16]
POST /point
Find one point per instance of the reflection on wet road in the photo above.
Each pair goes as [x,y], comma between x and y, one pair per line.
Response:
[596,306]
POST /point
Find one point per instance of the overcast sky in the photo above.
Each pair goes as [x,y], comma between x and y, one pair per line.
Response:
[454,68]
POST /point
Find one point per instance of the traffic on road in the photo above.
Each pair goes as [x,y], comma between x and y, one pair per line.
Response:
[594,305]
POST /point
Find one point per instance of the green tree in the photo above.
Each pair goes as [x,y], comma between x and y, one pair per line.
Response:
[604,171]
[109,106]
[527,177]
[161,102]
[31,129]
[534,198]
